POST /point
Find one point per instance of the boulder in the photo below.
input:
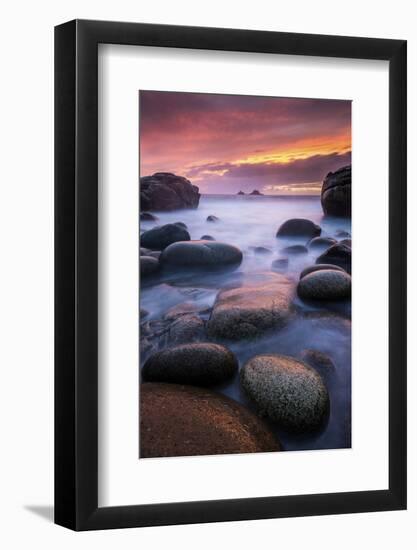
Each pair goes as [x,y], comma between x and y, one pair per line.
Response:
[201,255]
[181,224]
[346,242]
[321,243]
[166,191]
[207,238]
[252,309]
[148,266]
[287,391]
[280,264]
[161,236]
[325,284]
[260,250]
[299,227]
[336,192]
[337,254]
[319,361]
[185,329]
[295,249]
[341,233]
[212,218]
[147,217]
[318,267]
[177,420]
[200,364]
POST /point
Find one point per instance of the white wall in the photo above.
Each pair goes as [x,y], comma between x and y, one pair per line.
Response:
[26,299]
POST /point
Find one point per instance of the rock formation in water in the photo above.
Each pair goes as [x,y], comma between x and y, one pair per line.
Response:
[255,192]
[336,192]
[166,191]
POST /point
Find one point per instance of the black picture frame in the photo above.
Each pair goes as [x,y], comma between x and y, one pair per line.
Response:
[76,271]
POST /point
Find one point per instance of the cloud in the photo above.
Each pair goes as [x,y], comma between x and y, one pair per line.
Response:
[310,169]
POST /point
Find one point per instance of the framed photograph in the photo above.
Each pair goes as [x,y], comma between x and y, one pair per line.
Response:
[230,253]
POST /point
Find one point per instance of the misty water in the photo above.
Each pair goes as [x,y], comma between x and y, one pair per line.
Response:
[252,221]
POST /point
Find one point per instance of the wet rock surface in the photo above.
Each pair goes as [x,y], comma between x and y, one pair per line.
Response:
[177,420]
[202,364]
[162,236]
[338,254]
[287,391]
[325,284]
[201,254]
[252,309]
[299,227]
[319,267]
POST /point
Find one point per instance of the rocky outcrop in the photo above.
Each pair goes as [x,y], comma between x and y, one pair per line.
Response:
[241,193]
[178,420]
[166,191]
[336,192]
[255,192]
[202,364]
[287,391]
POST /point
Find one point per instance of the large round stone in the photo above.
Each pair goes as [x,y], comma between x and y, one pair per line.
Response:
[178,420]
[337,254]
[148,265]
[162,236]
[336,192]
[299,227]
[201,364]
[319,267]
[325,284]
[287,391]
[252,309]
[321,243]
[201,254]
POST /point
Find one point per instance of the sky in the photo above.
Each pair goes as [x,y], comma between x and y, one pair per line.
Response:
[227,143]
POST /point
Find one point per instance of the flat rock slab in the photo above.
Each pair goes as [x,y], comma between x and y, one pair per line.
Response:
[178,420]
[252,309]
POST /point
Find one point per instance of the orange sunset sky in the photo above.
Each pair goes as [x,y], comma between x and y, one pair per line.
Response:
[227,143]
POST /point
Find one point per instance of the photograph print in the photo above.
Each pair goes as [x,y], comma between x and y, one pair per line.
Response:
[245,274]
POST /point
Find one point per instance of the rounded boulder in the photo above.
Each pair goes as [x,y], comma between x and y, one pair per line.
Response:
[299,227]
[202,364]
[162,236]
[287,391]
[177,420]
[325,284]
[201,254]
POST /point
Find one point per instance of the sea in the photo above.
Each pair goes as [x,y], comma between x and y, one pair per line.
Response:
[247,222]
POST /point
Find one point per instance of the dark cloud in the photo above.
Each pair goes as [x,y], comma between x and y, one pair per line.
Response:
[311,169]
